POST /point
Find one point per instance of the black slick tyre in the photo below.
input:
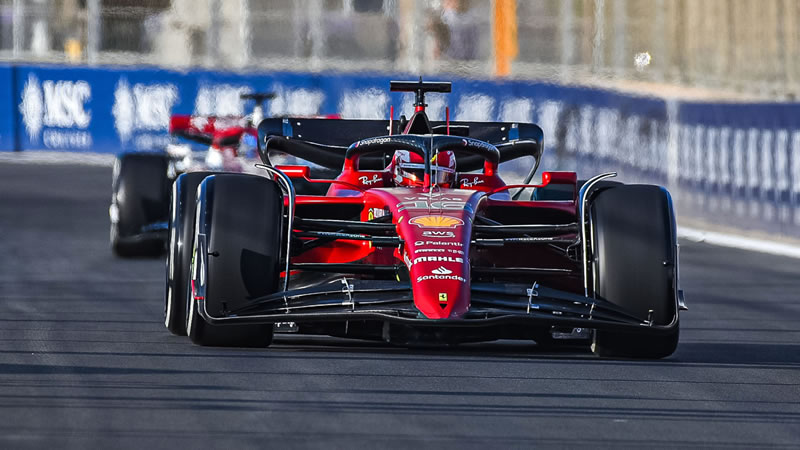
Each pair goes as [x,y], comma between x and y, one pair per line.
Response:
[140,197]
[236,255]
[179,249]
[635,267]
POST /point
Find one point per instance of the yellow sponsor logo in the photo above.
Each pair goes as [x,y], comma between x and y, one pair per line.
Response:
[442,297]
[436,221]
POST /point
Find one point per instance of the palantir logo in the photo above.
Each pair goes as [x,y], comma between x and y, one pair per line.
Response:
[32,107]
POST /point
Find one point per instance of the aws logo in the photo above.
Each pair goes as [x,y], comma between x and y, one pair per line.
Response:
[438,234]
[436,221]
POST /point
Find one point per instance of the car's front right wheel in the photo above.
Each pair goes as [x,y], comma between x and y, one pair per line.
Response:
[179,249]
[236,254]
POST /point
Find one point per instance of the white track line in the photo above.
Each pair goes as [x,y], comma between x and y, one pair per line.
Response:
[741,242]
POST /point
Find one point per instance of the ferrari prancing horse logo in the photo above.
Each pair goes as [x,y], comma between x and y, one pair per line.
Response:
[436,221]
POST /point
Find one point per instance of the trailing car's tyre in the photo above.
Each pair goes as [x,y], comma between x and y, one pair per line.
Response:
[236,252]
[635,267]
[179,248]
[140,197]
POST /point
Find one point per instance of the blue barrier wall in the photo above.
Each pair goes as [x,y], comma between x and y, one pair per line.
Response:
[112,109]
[736,164]
[7,109]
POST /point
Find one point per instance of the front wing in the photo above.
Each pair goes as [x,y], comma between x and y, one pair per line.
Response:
[492,304]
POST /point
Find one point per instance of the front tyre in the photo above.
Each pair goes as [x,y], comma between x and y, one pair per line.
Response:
[236,252]
[181,232]
[635,266]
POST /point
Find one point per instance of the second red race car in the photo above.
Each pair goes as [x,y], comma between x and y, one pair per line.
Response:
[418,240]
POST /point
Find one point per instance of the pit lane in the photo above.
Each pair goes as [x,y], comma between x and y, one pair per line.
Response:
[85,360]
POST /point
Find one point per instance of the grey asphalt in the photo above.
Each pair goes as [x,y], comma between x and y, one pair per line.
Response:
[85,361]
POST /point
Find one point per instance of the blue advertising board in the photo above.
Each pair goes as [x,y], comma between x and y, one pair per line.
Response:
[722,161]
[110,109]
[7,111]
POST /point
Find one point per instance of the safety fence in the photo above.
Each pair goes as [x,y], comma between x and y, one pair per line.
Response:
[736,164]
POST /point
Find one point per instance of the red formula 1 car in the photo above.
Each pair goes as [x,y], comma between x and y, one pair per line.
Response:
[419,240]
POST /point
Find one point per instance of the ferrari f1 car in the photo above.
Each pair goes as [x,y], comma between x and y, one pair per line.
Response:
[418,240]
[142,180]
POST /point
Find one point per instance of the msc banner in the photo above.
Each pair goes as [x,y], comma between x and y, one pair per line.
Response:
[117,109]
[724,163]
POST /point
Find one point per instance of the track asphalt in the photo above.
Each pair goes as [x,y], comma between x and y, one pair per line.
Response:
[85,360]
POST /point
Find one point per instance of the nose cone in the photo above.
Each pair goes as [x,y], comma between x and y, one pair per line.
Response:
[437,260]
[441,292]
[436,228]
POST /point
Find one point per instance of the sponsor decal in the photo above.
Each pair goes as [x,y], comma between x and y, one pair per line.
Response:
[420,259]
[143,107]
[457,252]
[447,205]
[477,143]
[442,297]
[366,181]
[438,234]
[430,250]
[220,100]
[438,196]
[370,103]
[441,277]
[437,244]
[475,181]
[377,141]
[441,270]
[294,101]
[436,222]
[60,104]
[375,212]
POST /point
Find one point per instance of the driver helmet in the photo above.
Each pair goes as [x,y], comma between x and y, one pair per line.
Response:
[409,168]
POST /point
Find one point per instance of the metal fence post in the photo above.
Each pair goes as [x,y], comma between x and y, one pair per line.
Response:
[599,39]
[19,27]
[244,31]
[93,30]
[212,35]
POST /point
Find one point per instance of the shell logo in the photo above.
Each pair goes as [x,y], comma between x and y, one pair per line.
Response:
[436,222]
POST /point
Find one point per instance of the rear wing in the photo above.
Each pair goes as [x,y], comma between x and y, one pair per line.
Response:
[325,141]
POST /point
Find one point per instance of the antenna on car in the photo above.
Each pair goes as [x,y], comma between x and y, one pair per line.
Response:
[419,88]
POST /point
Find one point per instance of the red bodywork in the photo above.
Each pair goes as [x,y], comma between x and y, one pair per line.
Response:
[435,225]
